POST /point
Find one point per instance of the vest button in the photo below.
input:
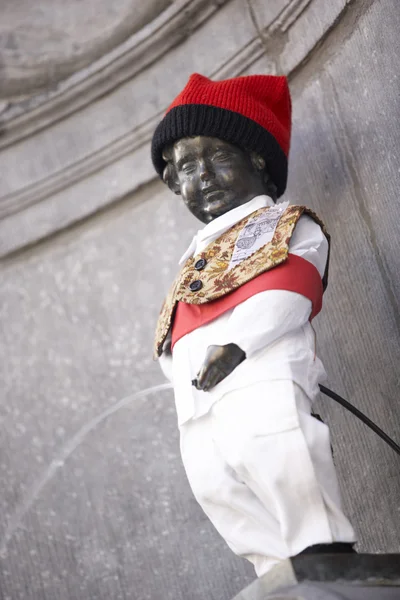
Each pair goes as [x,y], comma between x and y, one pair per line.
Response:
[200,264]
[196,285]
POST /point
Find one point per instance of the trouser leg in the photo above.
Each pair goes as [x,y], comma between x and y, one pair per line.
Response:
[261,468]
[246,525]
[267,435]
[317,437]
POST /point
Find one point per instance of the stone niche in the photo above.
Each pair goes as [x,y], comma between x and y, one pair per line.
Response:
[94,500]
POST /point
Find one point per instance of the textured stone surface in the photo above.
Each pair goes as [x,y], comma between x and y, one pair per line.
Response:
[343,120]
[275,13]
[43,42]
[94,501]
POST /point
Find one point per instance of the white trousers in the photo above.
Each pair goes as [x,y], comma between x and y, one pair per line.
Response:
[261,468]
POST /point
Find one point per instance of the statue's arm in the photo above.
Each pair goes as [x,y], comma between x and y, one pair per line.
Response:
[264,318]
[254,324]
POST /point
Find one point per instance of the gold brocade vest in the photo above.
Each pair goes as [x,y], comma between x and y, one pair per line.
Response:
[219,277]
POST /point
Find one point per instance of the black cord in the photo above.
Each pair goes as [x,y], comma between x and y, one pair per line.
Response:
[361,416]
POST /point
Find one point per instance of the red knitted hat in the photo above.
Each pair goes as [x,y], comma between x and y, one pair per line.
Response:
[252,112]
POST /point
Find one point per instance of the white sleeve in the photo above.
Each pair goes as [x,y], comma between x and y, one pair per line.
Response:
[309,242]
[267,316]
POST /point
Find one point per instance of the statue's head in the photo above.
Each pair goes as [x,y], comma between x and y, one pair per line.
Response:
[220,144]
[214,176]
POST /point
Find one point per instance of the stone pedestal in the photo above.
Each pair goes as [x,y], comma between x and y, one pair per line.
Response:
[329,577]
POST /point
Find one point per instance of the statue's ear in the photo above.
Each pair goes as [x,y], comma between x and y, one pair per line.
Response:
[257,161]
[170,177]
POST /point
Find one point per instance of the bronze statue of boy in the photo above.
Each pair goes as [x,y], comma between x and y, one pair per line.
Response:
[234,334]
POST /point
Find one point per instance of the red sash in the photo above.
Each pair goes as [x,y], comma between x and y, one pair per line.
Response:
[294,275]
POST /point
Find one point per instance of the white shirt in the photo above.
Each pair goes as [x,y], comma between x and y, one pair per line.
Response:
[271,327]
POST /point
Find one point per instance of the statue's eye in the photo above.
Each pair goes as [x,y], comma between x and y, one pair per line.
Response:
[222,155]
[188,168]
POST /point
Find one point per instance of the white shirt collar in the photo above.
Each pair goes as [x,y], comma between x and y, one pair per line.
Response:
[218,226]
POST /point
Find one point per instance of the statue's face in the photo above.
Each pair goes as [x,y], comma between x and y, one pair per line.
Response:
[214,176]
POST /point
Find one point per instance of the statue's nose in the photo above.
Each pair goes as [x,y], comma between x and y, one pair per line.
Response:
[205,172]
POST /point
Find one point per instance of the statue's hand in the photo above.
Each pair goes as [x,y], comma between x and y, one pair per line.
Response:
[220,361]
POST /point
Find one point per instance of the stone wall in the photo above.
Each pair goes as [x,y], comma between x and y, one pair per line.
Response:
[95,503]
